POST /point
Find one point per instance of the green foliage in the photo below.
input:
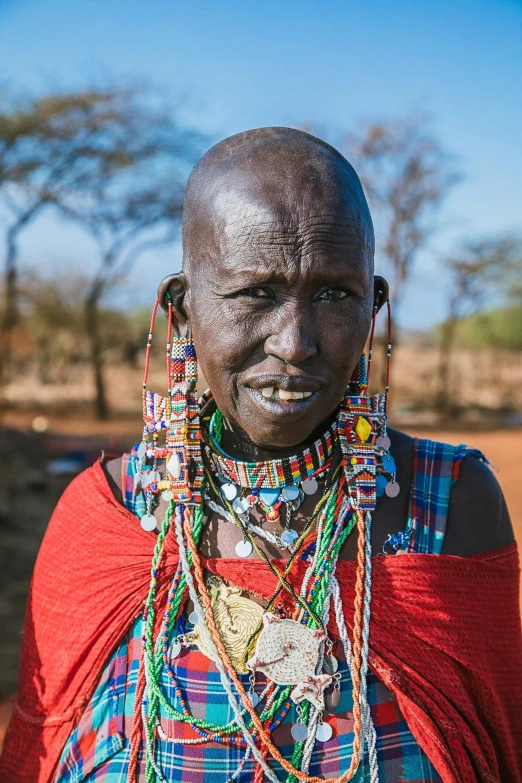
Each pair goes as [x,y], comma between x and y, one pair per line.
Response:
[500,328]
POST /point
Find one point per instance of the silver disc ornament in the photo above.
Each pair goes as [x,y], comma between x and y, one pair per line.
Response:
[392,489]
[309,486]
[243,548]
[290,493]
[299,732]
[323,732]
[148,522]
[289,536]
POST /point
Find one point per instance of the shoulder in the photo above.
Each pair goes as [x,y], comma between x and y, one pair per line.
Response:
[112,469]
[478,519]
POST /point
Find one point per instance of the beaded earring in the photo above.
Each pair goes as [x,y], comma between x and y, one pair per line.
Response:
[178,415]
[362,428]
[184,461]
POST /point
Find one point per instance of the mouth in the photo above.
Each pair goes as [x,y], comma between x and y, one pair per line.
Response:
[284,394]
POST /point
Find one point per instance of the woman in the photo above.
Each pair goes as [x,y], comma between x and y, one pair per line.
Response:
[208,607]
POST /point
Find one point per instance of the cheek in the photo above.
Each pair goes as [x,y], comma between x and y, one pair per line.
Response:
[224,341]
[342,336]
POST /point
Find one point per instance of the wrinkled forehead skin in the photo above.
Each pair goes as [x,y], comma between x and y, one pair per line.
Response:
[273,186]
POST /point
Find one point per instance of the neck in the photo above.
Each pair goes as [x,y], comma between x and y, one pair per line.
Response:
[237,444]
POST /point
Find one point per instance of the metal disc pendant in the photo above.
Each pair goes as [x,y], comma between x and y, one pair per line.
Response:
[309,486]
[384,441]
[167,495]
[388,463]
[334,699]
[289,536]
[229,491]
[392,489]
[290,493]
[380,485]
[142,450]
[254,698]
[299,732]
[175,649]
[148,522]
[323,732]
[240,505]
[330,664]
[193,617]
[243,548]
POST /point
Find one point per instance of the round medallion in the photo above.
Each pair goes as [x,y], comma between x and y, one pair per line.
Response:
[388,463]
[148,522]
[299,732]
[384,441]
[167,495]
[289,536]
[193,617]
[240,505]
[229,491]
[290,493]
[243,548]
[142,450]
[323,732]
[392,489]
[330,664]
[286,650]
[380,485]
[309,486]
[333,699]
[254,698]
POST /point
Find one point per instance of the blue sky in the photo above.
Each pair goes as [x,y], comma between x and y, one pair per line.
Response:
[327,63]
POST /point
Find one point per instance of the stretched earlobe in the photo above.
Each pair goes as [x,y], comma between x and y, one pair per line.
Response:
[175,286]
[381,290]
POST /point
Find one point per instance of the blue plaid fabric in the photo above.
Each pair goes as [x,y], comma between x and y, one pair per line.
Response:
[98,749]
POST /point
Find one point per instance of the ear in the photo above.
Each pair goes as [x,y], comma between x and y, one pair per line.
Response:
[176,286]
[381,291]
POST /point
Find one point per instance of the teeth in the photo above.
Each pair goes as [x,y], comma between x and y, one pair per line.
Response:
[281,394]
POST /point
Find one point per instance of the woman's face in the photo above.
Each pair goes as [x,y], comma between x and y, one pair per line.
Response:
[280,310]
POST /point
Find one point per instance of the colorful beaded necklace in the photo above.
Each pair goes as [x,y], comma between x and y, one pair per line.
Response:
[346,504]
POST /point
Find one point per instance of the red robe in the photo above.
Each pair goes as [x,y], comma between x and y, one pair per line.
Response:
[445,637]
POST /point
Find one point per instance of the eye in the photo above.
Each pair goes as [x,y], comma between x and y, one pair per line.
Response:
[332,295]
[254,293]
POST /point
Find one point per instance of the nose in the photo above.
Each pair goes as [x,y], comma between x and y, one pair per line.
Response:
[292,339]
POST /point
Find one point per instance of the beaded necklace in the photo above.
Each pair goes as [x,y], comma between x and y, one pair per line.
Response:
[346,504]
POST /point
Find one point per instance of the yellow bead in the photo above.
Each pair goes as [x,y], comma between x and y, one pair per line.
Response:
[354,460]
[363,428]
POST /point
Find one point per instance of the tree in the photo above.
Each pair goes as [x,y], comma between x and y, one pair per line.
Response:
[483,271]
[406,176]
[109,159]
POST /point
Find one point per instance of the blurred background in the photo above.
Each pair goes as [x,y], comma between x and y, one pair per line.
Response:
[105,107]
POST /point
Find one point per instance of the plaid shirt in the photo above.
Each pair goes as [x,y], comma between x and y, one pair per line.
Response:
[98,749]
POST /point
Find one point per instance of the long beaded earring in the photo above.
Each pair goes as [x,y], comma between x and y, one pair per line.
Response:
[362,427]
[184,458]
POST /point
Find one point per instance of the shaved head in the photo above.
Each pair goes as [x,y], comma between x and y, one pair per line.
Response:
[272,175]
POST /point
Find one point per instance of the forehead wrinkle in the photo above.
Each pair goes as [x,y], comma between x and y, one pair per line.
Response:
[329,230]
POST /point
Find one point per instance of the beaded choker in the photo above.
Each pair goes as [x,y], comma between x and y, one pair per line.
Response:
[275,473]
